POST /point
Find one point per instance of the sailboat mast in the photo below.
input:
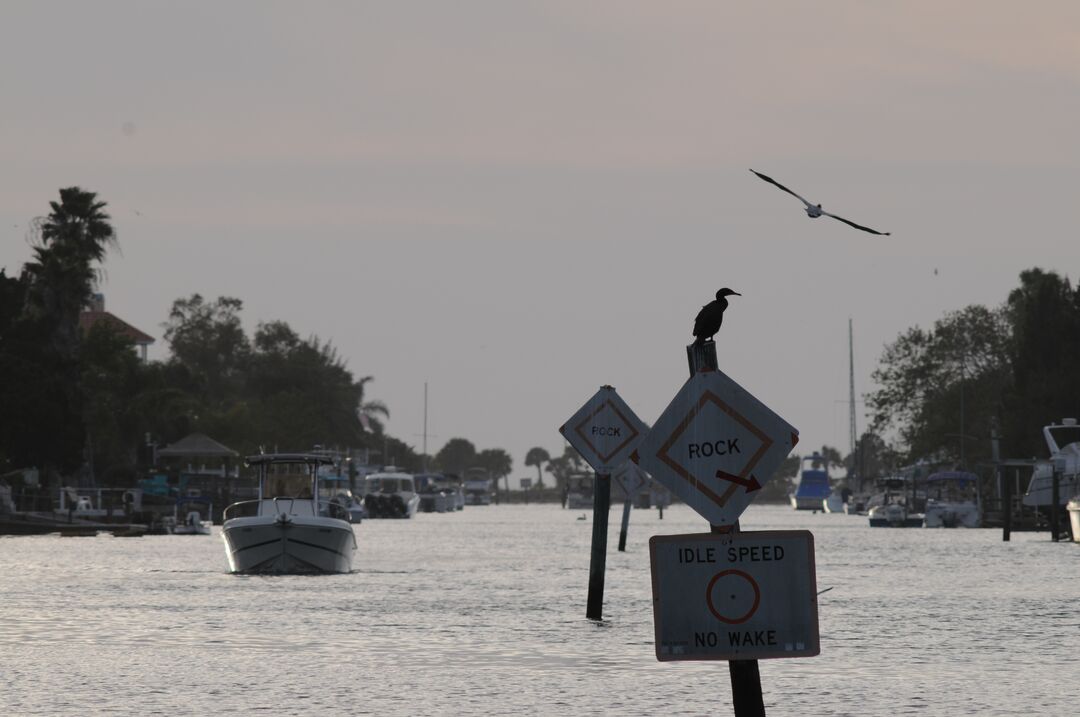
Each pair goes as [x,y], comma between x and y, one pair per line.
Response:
[853,436]
[425,426]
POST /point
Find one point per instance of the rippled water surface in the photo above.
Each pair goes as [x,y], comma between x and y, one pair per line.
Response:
[483,612]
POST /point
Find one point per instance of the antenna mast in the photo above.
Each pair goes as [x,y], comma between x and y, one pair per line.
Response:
[851,397]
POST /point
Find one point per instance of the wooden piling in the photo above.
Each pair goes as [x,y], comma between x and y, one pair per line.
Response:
[746,696]
[598,561]
[1055,508]
[1006,507]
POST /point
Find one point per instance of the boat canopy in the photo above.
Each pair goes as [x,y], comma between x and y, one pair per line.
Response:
[957,476]
[263,458]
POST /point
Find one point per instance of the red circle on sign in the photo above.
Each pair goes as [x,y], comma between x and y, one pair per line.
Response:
[741,618]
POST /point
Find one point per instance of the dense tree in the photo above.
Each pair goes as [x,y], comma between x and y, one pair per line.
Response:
[111,380]
[1044,312]
[537,457]
[456,456]
[939,392]
[208,340]
[939,388]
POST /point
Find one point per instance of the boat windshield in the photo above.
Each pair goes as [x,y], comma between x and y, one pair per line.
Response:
[386,485]
[1064,435]
[287,481]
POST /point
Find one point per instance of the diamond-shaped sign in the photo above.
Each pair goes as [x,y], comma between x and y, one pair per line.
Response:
[604,431]
[631,478]
[715,446]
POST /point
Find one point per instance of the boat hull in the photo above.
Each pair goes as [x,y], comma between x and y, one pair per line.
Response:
[296,545]
[952,515]
[800,502]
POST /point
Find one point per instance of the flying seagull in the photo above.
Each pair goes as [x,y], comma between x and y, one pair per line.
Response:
[814,210]
[711,316]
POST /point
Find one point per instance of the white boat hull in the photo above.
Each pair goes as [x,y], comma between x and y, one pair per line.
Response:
[293,544]
[834,503]
[806,503]
[951,515]
[1040,492]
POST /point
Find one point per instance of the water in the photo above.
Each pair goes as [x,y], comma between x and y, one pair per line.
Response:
[482,612]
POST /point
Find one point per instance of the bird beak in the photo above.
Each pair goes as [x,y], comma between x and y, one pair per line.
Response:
[736,293]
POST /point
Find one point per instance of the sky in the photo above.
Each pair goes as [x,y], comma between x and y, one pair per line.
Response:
[516,203]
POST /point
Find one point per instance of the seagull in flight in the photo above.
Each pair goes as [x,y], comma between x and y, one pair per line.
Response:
[814,210]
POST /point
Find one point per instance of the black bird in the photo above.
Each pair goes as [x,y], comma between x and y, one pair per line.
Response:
[814,210]
[711,316]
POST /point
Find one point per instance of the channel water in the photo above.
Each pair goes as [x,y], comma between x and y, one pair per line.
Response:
[482,612]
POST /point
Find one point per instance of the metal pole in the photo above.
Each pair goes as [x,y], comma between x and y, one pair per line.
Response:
[598,561]
[625,525]
[746,694]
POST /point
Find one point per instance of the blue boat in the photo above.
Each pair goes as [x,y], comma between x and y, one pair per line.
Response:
[813,484]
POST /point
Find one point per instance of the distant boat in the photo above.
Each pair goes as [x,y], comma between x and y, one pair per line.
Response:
[191,516]
[579,491]
[952,500]
[892,511]
[813,485]
[390,495]
[288,529]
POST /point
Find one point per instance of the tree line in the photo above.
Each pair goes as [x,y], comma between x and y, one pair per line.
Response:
[1008,370]
[81,401]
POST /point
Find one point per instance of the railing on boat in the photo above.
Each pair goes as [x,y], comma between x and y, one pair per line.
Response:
[250,508]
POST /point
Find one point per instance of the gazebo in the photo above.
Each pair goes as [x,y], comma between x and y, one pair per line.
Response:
[199,461]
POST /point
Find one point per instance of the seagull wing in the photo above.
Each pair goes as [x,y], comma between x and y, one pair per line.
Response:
[770,180]
[857,226]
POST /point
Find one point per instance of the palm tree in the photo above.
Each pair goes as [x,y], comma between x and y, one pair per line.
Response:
[74,235]
[367,411]
[537,457]
[498,463]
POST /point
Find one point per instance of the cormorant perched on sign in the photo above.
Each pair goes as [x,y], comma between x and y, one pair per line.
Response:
[711,316]
[814,210]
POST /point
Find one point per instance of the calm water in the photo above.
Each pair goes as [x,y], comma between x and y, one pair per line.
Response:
[482,612]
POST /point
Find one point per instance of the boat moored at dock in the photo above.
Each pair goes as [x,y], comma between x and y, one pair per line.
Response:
[952,500]
[813,486]
[1063,442]
[288,529]
[391,495]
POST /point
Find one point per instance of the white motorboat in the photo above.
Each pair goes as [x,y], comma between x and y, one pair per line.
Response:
[952,500]
[890,508]
[191,516]
[835,502]
[390,495]
[1063,441]
[288,529]
[478,487]
[439,493]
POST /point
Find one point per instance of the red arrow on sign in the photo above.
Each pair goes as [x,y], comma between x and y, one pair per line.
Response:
[751,484]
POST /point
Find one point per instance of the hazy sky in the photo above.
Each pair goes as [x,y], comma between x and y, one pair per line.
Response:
[520,201]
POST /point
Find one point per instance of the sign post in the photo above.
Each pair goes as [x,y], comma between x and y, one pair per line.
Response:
[605,432]
[631,479]
[715,446]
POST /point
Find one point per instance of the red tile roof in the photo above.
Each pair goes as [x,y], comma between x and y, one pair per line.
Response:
[87,319]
